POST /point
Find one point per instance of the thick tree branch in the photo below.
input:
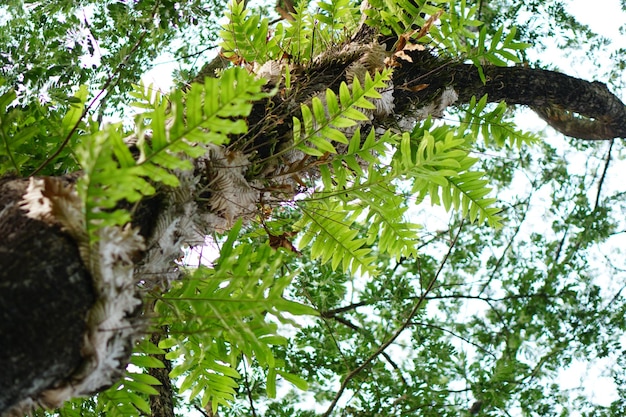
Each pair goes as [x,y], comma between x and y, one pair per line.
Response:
[575,107]
[45,293]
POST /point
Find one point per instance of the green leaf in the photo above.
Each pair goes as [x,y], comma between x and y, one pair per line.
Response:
[294,379]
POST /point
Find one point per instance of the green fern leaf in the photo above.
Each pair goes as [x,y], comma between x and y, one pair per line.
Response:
[332,237]
[225,318]
[246,37]
[321,121]
[438,162]
[209,113]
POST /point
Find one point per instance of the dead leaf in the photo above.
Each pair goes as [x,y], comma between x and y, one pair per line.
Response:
[403,55]
[419,87]
[426,28]
[282,241]
[414,47]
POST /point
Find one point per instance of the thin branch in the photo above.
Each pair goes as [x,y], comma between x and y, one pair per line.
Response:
[397,333]
[443,329]
[330,331]
[333,312]
[346,323]
[198,408]
[496,267]
[248,391]
[607,161]
[370,336]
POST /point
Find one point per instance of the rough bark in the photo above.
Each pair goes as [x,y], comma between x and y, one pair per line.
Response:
[162,405]
[575,107]
[46,292]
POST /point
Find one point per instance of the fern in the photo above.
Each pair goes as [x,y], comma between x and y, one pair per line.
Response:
[208,113]
[399,16]
[129,397]
[498,52]
[337,18]
[386,212]
[298,38]
[329,228]
[246,37]
[438,162]
[493,125]
[216,316]
[371,194]
[322,120]
[456,33]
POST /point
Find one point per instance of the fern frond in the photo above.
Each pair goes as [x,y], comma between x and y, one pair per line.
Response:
[207,114]
[456,33]
[225,317]
[387,225]
[246,37]
[130,396]
[324,120]
[298,35]
[330,229]
[346,169]
[337,18]
[399,17]
[493,126]
[371,194]
[438,163]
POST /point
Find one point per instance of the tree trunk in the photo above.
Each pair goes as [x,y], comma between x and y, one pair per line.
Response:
[45,294]
[162,405]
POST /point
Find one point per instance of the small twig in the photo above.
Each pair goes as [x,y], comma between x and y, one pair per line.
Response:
[335,311]
[368,335]
[248,391]
[458,336]
[500,260]
[607,161]
[330,331]
[396,334]
[201,411]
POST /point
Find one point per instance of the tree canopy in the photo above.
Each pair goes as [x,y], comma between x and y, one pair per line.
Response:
[339,214]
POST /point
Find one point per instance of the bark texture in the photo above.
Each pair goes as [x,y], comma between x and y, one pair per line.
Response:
[162,405]
[45,294]
[575,107]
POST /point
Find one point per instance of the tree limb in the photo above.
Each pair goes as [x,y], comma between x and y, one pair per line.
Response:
[396,334]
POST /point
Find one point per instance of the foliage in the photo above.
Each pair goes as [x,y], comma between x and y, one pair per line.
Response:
[199,117]
[481,302]
[217,320]
[322,121]
[52,47]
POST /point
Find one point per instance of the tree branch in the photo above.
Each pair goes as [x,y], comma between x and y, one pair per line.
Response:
[606,168]
[575,107]
[388,342]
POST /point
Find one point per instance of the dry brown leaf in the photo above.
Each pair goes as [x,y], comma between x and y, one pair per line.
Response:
[426,28]
[403,55]
[414,47]
[282,241]
[418,87]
